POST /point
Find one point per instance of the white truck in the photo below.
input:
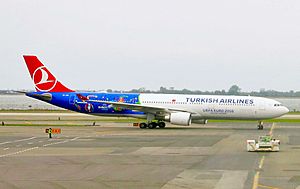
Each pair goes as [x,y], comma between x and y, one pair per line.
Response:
[264,144]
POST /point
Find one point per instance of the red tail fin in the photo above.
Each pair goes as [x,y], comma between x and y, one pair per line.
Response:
[43,79]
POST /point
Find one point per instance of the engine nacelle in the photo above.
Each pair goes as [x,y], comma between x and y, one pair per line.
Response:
[200,121]
[180,118]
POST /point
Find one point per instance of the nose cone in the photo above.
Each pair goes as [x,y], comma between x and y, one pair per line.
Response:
[285,110]
[280,111]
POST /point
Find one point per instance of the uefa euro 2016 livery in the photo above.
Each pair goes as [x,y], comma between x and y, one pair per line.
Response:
[156,108]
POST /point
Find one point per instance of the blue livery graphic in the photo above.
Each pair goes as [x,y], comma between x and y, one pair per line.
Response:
[79,102]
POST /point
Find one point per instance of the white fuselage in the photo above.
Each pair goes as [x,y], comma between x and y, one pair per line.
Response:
[217,107]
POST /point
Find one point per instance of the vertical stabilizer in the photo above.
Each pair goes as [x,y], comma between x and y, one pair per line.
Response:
[43,79]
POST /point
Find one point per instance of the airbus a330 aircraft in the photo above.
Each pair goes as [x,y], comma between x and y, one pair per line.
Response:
[156,108]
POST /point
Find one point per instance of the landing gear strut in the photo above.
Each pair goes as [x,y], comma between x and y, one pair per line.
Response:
[260,125]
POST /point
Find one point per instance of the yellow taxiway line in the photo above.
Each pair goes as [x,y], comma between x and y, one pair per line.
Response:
[256,177]
[260,166]
[271,130]
[270,187]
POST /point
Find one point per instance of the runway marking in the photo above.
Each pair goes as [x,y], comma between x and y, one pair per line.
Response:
[270,187]
[61,142]
[30,143]
[260,166]
[256,177]
[271,130]
[19,152]
[36,147]
[255,180]
[21,140]
[261,162]
[75,138]
[5,149]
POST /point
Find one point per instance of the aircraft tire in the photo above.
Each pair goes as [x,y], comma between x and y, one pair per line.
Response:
[161,125]
[152,125]
[143,125]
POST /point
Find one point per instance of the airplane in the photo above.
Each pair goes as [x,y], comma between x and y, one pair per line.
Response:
[157,109]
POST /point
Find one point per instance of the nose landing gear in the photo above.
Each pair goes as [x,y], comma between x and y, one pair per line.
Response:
[260,125]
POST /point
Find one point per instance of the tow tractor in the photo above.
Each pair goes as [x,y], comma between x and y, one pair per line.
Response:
[264,144]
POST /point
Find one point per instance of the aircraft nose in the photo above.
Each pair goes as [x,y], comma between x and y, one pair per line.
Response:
[285,110]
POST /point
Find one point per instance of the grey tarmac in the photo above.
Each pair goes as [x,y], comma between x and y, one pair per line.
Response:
[117,155]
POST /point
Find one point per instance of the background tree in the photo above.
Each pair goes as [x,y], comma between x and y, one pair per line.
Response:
[234,90]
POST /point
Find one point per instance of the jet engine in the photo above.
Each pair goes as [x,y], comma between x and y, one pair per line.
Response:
[180,118]
[200,121]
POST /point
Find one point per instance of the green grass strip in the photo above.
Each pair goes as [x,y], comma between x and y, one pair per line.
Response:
[45,125]
[266,121]
[35,111]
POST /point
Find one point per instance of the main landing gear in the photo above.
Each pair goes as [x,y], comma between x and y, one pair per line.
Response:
[260,125]
[153,125]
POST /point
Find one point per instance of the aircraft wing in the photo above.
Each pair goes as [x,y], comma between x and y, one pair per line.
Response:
[21,92]
[143,108]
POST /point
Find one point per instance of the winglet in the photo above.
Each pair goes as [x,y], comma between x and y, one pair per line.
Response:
[43,79]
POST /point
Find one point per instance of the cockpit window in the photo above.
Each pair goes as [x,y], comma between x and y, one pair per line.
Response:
[277,105]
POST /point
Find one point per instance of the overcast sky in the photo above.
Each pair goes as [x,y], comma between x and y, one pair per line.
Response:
[117,44]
